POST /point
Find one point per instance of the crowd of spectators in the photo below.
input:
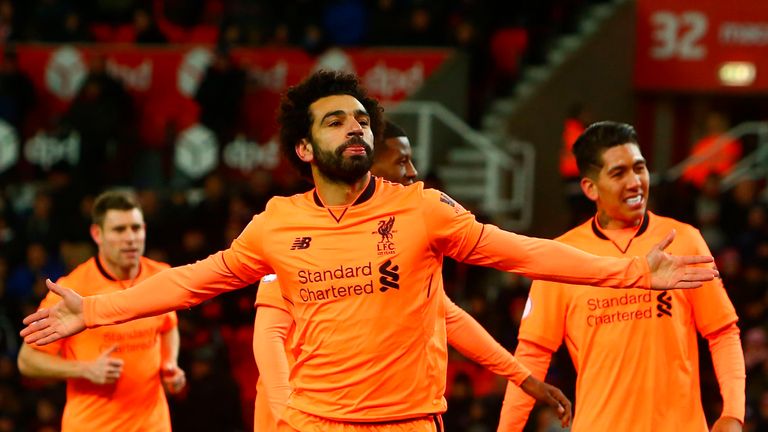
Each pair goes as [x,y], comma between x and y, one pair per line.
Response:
[44,215]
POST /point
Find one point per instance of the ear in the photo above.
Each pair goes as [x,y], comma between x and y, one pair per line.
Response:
[96,234]
[589,188]
[304,150]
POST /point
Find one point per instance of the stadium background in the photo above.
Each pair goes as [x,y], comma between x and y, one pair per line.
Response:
[176,99]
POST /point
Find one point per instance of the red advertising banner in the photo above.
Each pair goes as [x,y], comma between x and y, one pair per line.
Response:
[702,45]
[163,82]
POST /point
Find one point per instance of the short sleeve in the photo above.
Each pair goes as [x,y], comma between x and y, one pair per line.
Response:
[544,316]
[452,229]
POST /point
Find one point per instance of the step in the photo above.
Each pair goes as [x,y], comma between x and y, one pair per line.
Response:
[473,191]
[466,156]
[452,173]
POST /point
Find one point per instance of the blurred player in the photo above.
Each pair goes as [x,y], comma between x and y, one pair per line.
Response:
[360,261]
[113,373]
[275,350]
[635,352]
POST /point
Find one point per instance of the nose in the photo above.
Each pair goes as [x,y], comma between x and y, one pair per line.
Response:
[355,129]
[410,171]
[634,180]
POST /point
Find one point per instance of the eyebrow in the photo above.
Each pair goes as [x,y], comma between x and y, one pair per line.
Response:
[635,162]
[357,112]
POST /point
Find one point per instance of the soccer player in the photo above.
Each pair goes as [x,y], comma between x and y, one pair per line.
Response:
[273,345]
[115,375]
[359,260]
[635,351]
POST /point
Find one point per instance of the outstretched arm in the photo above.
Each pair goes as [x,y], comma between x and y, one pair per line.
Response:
[517,404]
[554,261]
[175,288]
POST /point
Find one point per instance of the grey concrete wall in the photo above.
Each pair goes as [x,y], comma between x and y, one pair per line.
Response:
[599,74]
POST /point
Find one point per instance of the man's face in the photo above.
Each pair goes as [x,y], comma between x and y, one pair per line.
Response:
[120,238]
[342,139]
[621,187]
[394,163]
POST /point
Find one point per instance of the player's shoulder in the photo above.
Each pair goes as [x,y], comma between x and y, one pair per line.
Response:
[664,223]
[386,187]
[578,235]
[81,277]
[396,195]
[270,279]
[153,266]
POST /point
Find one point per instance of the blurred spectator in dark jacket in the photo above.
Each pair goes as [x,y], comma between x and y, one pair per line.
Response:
[17,94]
[220,95]
[145,28]
[102,113]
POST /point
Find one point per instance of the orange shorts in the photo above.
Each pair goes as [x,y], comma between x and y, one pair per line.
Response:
[297,421]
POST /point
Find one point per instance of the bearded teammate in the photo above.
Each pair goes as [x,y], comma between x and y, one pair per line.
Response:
[113,373]
[368,304]
[635,353]
[275,351]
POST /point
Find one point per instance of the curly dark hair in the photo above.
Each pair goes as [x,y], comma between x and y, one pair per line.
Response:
[295,118]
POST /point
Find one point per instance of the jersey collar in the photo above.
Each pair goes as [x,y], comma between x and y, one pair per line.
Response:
[599,233]
[107,275]
[363,197]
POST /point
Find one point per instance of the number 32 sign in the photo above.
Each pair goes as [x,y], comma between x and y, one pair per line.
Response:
[684,45]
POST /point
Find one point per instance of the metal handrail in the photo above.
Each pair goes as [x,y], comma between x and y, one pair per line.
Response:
[754,165]
[516,160]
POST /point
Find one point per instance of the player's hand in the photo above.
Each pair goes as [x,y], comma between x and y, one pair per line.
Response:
[551,396]
[63,319]
[727,424]
[174,378]
[671,272]
[105,369]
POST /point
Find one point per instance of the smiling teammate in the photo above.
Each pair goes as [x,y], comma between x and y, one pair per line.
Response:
[635,352]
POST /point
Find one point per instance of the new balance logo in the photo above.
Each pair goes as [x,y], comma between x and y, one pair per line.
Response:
[665,304]
[389,276]
[301,243]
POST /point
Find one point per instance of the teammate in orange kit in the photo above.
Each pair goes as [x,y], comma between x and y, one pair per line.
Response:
[113,373]
[274,347]
[360,263]
[635,352]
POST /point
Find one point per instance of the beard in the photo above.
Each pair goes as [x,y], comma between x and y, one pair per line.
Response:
[338,168]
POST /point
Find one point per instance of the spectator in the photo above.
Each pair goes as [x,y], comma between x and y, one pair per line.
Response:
[145,28]
[715,152]
[220,95]
[102,113]
[17,95]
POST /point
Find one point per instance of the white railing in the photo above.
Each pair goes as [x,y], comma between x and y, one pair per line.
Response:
[752,166]
[508,172]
